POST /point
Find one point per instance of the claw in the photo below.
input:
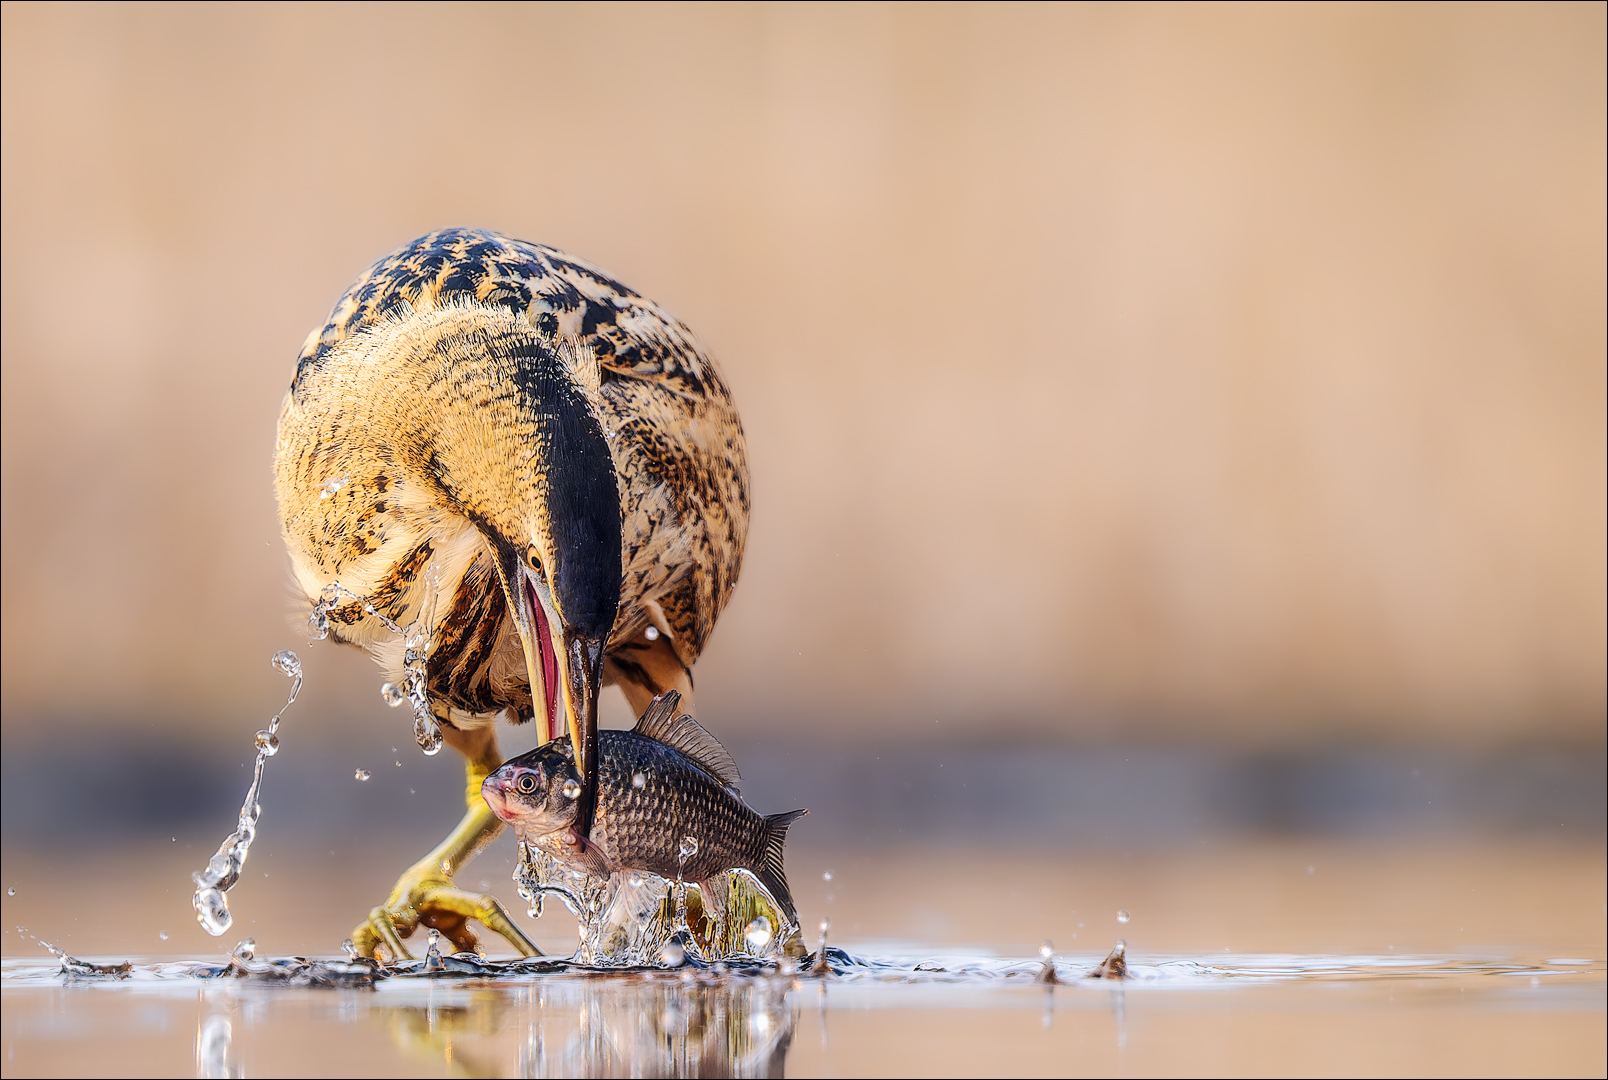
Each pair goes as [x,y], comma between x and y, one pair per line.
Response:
[425,895]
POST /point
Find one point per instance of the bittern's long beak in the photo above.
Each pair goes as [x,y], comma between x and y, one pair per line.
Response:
[564,666]
[536,640]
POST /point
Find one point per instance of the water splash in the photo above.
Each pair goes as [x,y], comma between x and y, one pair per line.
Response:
[758,935]
[629,918]
[223,869]
[72,967]
[1115,965]
[415,651]
[822,965]
[1047,973]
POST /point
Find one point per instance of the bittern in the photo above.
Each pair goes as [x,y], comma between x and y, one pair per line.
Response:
[537,471]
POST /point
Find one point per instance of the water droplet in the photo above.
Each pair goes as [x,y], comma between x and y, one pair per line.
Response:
[426,732]
[12,891]
[672,954]
[318,624]
[392,694]
[571,789]
[1123,916]
[162,936]
[361,774]
[1047,949]
[758,934]
[826,924]
[651,633]
[332,486]
[688,848]
[267,743]
[212,911]
[1312,869]
[432,955]
[247,949]
[827,876]
[350,949]
[638,780]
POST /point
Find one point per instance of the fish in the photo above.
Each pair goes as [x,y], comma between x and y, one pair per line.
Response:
[667,804]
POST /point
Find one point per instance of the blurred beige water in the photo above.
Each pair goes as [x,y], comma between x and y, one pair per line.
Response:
[1108,371]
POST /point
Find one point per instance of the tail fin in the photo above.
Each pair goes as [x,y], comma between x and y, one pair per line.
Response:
[769,868]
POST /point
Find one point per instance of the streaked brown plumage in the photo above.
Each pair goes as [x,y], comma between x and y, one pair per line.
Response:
[447,447]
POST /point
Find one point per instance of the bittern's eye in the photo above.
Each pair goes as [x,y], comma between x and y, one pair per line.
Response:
[527,783]
[533,558]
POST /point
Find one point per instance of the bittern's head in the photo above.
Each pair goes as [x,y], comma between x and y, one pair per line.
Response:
[487,438]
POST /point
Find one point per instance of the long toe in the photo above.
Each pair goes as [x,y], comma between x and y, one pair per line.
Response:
[450,909]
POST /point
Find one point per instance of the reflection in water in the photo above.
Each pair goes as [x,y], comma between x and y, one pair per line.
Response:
[648,1027]
[934,1014]
[214,1038]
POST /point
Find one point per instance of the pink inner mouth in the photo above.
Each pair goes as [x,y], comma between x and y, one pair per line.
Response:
[544,636]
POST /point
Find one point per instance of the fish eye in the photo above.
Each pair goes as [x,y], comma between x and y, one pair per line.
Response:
[533,559]
[527,783]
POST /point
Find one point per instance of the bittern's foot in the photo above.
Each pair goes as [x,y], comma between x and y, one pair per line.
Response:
[425,895]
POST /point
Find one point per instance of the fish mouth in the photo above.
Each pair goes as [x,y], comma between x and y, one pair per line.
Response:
[492,790]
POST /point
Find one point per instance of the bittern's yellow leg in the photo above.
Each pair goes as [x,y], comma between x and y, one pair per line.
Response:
[425,894]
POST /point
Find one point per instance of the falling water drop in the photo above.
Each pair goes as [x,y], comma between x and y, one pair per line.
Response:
[11,891]
[287,663]
[827,876]
[392,694]
[162,935]
[361,774]
[1123,916]
[212,911]
[638,780]
[758,934]
[267,742]
[651,633]
[571,789]
[432,955]
[426,732]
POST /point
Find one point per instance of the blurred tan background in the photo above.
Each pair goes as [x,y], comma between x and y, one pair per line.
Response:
[1178,373]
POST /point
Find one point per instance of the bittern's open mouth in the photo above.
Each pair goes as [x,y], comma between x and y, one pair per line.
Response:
[549,660]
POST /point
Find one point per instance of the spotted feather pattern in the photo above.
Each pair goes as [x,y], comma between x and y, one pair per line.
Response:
[674,433]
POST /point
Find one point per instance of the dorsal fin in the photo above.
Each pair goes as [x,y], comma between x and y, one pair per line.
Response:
[686,736]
